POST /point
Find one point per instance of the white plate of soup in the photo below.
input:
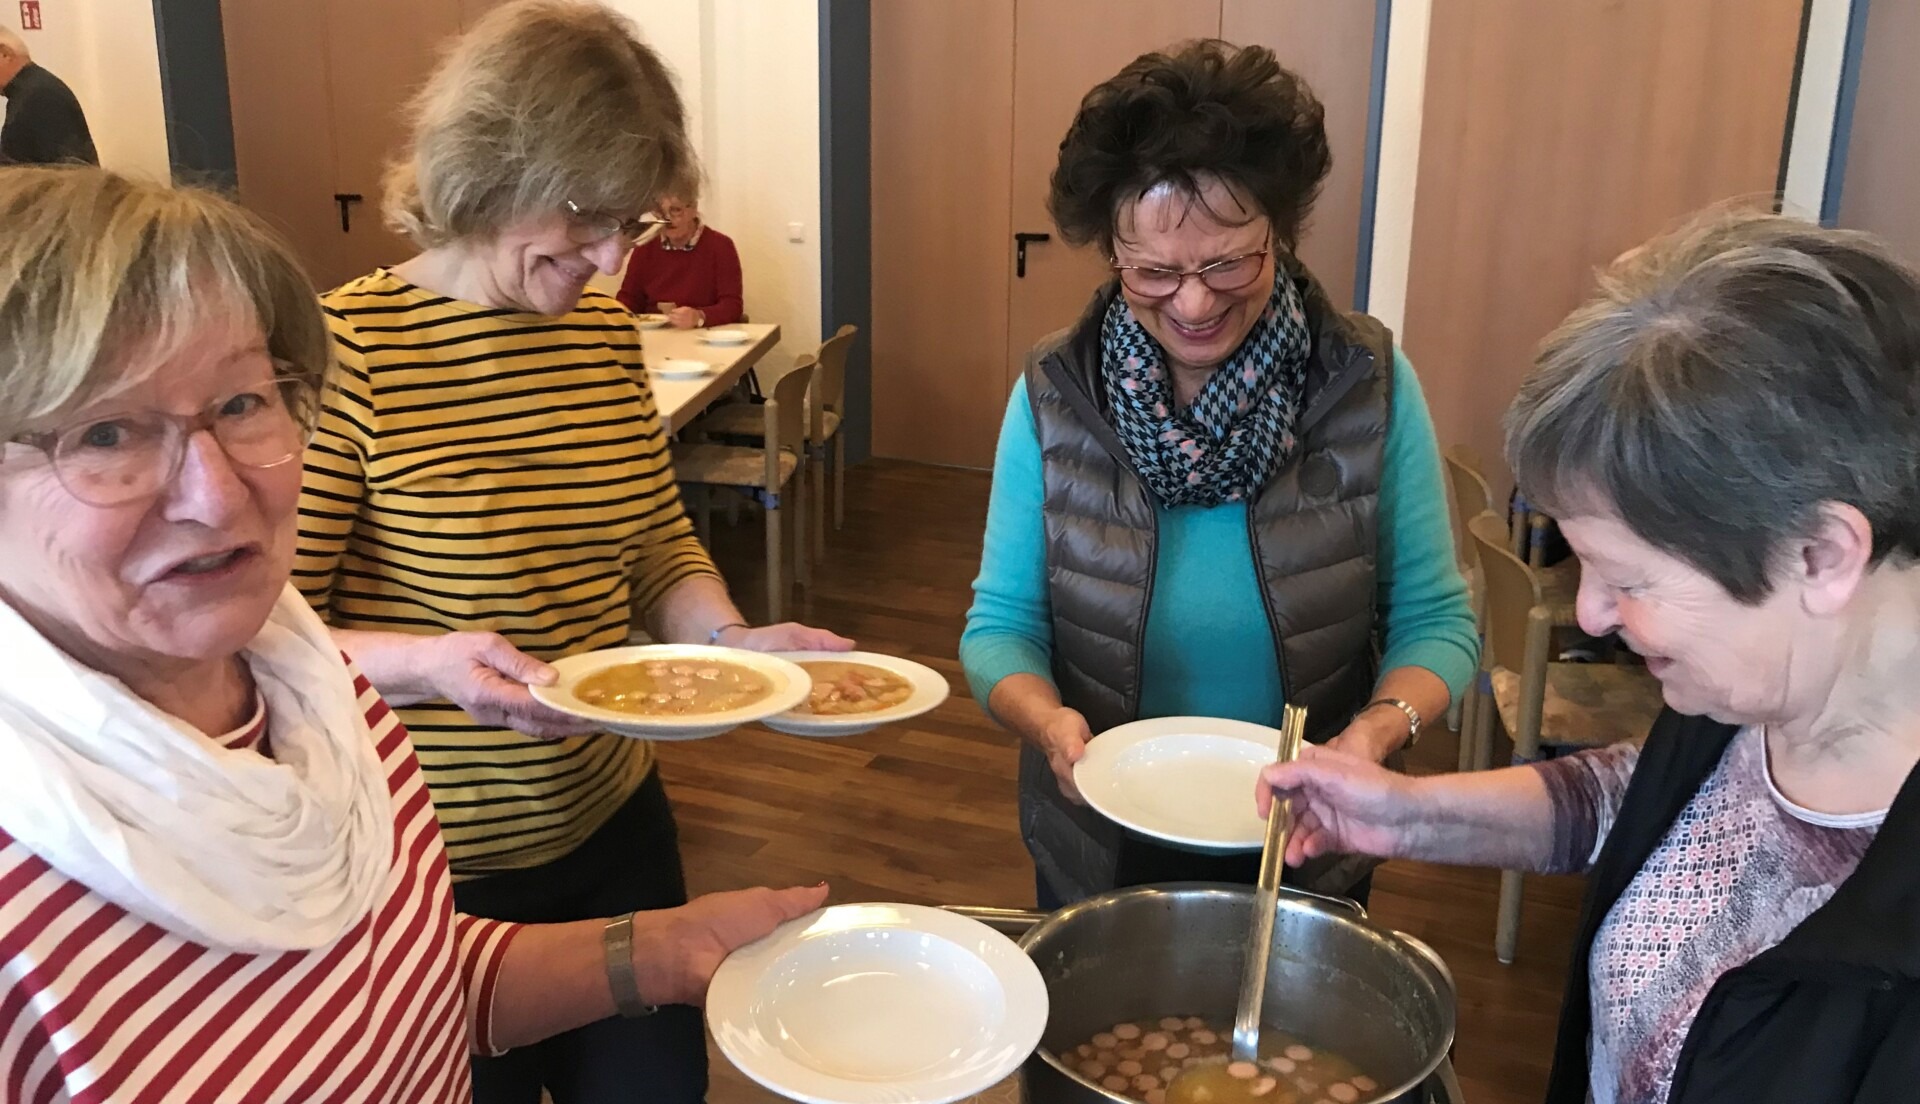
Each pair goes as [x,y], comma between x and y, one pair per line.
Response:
[1185,780]
[853,692]
[726,336]
[674,691]
[878,1004]
[650,321]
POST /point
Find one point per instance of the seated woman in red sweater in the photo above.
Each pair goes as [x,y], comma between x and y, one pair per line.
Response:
[690,265]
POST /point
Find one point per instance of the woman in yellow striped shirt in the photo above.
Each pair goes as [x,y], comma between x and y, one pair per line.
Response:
[492,466]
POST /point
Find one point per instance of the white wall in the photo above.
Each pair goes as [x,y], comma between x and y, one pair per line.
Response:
[1810,146]
[107,53]
[750,73]
[1403,103]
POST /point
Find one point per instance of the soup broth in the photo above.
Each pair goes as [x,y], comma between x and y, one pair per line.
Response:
[1144,1059]
[840,688]
[671,688]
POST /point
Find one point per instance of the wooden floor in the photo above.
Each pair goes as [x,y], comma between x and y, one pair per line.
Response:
[925,812]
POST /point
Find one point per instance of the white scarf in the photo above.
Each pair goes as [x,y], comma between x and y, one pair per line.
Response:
[220,846]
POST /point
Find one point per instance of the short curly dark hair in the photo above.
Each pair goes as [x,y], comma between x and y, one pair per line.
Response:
[1205,109]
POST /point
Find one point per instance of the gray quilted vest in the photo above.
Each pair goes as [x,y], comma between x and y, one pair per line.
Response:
[1313,531]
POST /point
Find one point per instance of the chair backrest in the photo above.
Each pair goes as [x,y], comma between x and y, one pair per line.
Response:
[1468,495]
[830,379]
[1511,589]
[786,416]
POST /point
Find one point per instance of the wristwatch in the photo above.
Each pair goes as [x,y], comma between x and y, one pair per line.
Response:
[616,940]
[1413,717]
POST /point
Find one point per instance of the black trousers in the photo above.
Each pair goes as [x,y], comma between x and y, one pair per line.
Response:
[631,863]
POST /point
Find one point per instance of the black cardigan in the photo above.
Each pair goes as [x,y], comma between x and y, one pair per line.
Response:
[1830,1014]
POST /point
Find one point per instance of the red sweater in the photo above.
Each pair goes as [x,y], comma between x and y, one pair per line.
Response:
[706,277]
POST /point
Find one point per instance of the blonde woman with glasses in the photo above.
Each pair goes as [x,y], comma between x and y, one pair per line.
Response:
[492,464]
[220,874]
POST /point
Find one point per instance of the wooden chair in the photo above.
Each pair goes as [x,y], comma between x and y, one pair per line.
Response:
[826,412]
[1540,701]
[1467,497]
[764,473]
[1469,494]
[1526,533]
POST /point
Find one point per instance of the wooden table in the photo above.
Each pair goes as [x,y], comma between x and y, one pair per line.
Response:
[682,400]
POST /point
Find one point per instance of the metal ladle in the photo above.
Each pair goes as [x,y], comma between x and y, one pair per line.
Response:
[1266,897]
[1217,1082]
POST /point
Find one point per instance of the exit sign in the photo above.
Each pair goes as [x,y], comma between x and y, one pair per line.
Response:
[30,15]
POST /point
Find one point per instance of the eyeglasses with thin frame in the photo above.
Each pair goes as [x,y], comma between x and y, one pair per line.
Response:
[1230,274]
[592,227]
[120,458]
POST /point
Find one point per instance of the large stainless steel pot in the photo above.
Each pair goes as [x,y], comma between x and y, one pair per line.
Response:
[1379,997]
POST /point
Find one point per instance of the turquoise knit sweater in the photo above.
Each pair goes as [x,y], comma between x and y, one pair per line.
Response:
[1209,649]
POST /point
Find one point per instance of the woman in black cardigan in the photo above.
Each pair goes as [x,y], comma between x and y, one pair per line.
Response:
[1728,435]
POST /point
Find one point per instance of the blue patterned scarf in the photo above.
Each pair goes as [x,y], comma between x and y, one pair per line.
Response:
[1225,446]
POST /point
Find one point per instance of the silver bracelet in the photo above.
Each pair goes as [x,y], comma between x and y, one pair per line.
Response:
[616,940]
[714,636]
[1413,716]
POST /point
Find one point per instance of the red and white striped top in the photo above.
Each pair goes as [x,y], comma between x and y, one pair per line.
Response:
[97,1006]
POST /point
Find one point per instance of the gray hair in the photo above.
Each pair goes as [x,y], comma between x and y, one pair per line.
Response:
[541,103]
[1726,382]
[11,40]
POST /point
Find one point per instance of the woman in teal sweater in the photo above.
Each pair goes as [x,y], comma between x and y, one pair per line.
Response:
[1216,493]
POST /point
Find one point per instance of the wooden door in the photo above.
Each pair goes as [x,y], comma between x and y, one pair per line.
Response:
[1331,46]
[1556,136]
[969,105]
[1062,49]
[283,125]
[941,119]
[321,121]
[378,54]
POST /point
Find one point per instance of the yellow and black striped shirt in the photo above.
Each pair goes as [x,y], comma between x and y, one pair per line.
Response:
[480,469]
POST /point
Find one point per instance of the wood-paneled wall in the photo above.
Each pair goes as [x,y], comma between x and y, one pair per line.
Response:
[1557,135]
[1881,191]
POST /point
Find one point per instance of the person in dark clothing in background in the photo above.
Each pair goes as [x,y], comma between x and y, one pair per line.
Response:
[44,124]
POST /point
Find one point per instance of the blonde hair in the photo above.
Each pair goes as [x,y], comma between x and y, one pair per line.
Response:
[97,266]
[541,103]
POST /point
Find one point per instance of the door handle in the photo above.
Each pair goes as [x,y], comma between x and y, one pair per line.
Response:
[1021,240]
[346,200]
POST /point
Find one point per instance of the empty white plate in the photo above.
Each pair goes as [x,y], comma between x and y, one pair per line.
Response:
[790,687]
[726,337]
[878,1004]
[1185,780]
[682,368]
[929,690]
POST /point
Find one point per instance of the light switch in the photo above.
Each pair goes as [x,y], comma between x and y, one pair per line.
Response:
[796,231]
